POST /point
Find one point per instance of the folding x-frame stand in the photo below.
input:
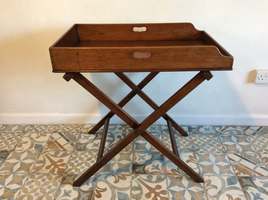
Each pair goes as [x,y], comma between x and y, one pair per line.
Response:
[138,128]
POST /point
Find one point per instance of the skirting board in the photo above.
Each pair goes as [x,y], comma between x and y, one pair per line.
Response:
[62,118]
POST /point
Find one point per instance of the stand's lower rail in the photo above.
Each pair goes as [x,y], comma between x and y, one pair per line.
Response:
[138,128]
[172,139]
[103,139]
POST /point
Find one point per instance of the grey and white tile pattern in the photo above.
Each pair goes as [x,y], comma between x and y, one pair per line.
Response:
[42,161]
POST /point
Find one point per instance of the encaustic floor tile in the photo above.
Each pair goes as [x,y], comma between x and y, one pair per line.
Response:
[202,143]
[37,128]
[68,192]
[189,158]
[203,164]
[12,128]
[252,147]
[32,141]
[18,162]
[246,167]
[53,162]
[58,142]
[149,187]
[9,140]
[255,188]
[182,187]
[43,161]
[264,158]
[39,186]
[155,130]
[203,130]
[82,142]
[156,163]
[236,142]
[240,130]
[121,163]
[223,187]
[10,184]
[114,187]
[3,156]
[260,141]
[260,147]
[141,145]
[214,164]
[48,128]
[79,161]
[148,163]
[116,134]
[165,139]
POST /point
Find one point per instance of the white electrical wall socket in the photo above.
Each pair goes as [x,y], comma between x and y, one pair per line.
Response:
[261,76]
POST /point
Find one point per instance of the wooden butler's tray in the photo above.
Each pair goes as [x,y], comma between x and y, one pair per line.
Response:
[137,47]
[154,48]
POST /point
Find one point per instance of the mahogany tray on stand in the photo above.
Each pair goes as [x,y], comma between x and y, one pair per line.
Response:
[154,48]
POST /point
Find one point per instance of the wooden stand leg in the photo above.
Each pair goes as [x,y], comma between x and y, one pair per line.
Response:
[124,101]
[139,129]
[106,158]
[92,89]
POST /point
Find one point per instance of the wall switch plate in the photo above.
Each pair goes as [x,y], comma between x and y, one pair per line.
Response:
[261,77]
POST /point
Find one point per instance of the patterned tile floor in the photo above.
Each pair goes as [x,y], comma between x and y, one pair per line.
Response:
[41,161]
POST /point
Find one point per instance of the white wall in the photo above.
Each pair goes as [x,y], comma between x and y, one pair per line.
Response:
[31,93]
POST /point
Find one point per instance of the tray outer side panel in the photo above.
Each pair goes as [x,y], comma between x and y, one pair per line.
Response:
[157,58]
[140,59]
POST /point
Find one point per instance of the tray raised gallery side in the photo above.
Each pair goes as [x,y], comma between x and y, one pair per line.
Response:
[137,48]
